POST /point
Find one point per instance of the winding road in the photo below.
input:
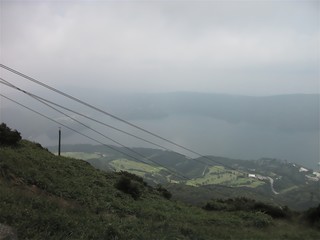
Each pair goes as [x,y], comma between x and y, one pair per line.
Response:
[271,185]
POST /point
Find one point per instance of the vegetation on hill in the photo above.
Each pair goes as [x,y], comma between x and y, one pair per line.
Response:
[43,196]
[246,204]
[292,184]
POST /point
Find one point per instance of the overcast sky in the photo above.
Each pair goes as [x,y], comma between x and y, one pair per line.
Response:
[238,47]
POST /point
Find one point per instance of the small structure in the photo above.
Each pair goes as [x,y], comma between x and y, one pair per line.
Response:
[302,169]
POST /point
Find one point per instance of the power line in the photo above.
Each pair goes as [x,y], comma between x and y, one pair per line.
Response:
[130,156]
[169,170]
[86,126]
[72,118]
[120,144]
[82,115]
[79,101]
[43,100]
[198,160]
[110,115]
[98,109]
[51,119]
[209,187]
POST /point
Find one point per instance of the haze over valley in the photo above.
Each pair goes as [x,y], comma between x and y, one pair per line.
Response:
[284,127]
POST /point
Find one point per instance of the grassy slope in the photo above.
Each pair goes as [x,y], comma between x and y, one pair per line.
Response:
[80,155]
[294,191]
[49,197]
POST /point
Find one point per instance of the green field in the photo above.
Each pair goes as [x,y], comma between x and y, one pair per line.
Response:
[137,168]
[220,175]
[81,155]
[213,175]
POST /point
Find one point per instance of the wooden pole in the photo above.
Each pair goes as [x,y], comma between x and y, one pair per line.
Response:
[59,148]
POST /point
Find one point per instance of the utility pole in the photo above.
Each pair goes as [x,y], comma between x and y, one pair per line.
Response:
[59,147]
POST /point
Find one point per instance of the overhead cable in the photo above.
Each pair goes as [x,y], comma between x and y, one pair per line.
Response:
[98,109]
[111,115]
[126,154]
[44,101]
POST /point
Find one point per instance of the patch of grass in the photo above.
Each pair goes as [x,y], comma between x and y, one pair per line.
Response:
[81,155]
[133,166]
[220,175]
[288,189]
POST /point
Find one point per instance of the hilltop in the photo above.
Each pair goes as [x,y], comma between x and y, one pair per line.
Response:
[44,196]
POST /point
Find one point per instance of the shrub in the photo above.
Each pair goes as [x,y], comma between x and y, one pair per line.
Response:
[215,206]
[125,185]
[313,216]
[164,192]
[133,177]
[261,220]
[273,211]
[8,136]
[246,204]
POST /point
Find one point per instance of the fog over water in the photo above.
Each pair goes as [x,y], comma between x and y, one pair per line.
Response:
[205,127]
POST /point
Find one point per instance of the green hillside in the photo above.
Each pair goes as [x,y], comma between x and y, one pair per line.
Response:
[43,196]
[266,179]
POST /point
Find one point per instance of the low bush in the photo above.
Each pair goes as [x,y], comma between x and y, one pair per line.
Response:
[132,177]
[255,219]
[313,216]
[164,192]
[126,185]
[246,204]
[216,206]
[273,211]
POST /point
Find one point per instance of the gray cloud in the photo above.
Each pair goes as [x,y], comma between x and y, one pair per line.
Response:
[92,48]
[242,47]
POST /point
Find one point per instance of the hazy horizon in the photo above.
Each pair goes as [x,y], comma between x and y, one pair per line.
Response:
[227,126]
[105,52]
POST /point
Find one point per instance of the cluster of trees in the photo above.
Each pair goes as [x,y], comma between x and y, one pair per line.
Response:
[7,136]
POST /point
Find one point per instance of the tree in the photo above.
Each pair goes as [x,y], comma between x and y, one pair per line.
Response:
[8,136]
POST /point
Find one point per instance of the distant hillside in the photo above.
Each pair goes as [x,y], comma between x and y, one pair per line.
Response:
[296,112]
[266,179]
[244,127]
[43,196]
